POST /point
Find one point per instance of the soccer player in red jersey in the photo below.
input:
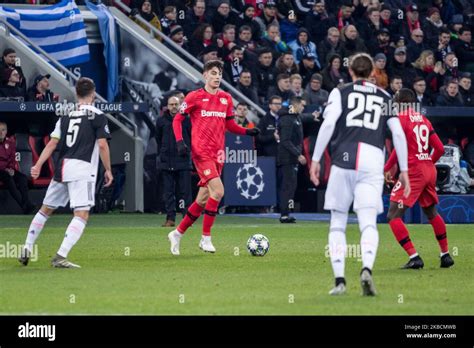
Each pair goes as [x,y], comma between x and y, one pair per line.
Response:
[211,113]
[421,138]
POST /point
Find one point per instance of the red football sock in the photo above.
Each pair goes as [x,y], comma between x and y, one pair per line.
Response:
[193,213]
[210,212]
[439,228]
[400,232]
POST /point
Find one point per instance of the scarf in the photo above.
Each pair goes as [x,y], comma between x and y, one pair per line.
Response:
[413,26]
[433,82]
[437,25]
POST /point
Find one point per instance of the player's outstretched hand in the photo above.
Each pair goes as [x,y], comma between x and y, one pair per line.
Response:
[35,172]
[252,132]
[314,172]
[403,178]
[182,148]
[109,178]
[389,178]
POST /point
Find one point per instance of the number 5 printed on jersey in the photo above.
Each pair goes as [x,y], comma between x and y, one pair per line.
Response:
[73,131]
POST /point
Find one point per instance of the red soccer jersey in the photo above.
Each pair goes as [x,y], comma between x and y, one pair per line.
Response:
[210,116]
[421,138]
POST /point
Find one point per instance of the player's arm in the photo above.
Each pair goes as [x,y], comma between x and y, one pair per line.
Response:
[104,153]
[233,127]
[400,143]
[332,112]
[47,151]
[437,146]
[184,110]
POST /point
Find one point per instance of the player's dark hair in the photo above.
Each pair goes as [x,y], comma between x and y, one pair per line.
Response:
[84,87]
[362,65]
[404,95]
[213,64]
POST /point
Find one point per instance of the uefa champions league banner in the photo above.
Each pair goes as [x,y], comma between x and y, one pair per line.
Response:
[250,184]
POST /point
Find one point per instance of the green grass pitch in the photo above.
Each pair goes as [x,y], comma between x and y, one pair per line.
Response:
[127,269]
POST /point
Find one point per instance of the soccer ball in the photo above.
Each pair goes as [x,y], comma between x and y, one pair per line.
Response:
[250,181]
[258,245]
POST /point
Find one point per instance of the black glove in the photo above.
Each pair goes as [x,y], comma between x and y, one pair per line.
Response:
[253,132]
[134,12]
[182,148]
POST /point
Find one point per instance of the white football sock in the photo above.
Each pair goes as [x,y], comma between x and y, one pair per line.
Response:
[369,239]
[73,234]
[337,242]
[35,229]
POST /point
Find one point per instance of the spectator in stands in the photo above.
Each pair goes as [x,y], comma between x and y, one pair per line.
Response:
[267,140]
[379,73]
[286,64]
[318,21]
[245,86]
[392,24]
[411,20]
[40,91]
[314,93]
[465,50]
[443,46]
[226,40]
[344,16]
[308,67]
[247,19]
[290,154]
[465,88]
[209,53]
[451,65]
[401,67]
[416,45]
[200,39]
[234,66]
[425,66]
[449,94]
[381,44]
[265,72]
[147,14]
[432,26]
[351,43]
[175,169]
[333,74]
[224,16]
[268,16]
[195,17]
[370,26]
[330,46]
[272,40]
[398,41]
[241,113]
[302,46]
[296,83]
[282,89]
[169,19]
[289,27]
[15,182]
[396,84]
[419,87]
[456,23]
[245,40]
[11,82]
[446,9]
[177,36]
[10,60]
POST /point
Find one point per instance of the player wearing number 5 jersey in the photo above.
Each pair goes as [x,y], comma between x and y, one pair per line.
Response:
[211,112]
[355,121]
[81,137]
[421,139]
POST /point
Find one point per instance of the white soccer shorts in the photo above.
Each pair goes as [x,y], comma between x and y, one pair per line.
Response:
[347,185]
[80,194]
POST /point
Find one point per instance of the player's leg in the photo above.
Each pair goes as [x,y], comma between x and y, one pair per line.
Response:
[81,194]
[288,188]
[337,249]
[439,228]
[56,196]
[338,198]
[216,193]
[192,214]
[169,189]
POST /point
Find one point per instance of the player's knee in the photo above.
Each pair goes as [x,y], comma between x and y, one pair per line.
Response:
[217,194]
[47,210]
[394,212]
[83,214]
[430,212]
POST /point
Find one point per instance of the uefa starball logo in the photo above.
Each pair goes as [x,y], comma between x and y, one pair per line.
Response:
[250,181]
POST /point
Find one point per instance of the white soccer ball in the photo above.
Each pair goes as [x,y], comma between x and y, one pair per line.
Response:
[258,245]
[250,181]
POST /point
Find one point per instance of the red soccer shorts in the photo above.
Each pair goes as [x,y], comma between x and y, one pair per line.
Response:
[207,170]
[423,188]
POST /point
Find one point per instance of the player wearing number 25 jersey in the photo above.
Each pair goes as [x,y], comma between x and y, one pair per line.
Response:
[424,149]
[355,120]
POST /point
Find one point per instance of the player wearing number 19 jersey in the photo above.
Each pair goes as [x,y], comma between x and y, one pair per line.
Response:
[211,113]
[421,139]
